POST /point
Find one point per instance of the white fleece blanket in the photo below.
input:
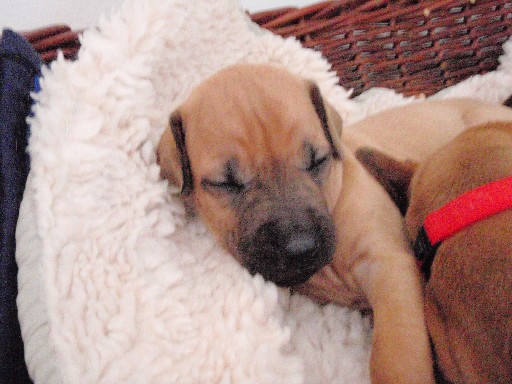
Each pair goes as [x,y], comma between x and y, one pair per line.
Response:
[115,285]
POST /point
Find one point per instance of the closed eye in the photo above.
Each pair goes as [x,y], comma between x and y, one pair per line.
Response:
[230,186]
[229,183]
[318,164]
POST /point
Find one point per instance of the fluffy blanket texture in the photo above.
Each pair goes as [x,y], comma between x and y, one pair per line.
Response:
[115,284]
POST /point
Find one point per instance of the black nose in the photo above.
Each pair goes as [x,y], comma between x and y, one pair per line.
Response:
[291,242]
[290,252]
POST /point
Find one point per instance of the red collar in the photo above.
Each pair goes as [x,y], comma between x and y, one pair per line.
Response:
[470,207]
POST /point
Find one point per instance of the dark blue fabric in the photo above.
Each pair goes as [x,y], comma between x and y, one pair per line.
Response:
[19,65]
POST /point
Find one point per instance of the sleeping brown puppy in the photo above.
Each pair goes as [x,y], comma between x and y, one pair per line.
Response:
[258,154]
[459,216]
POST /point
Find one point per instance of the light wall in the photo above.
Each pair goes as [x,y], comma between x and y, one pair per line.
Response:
[30,14]
[261,5]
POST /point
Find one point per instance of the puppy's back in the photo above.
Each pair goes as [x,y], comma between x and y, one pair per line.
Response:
[475,157]
[471,281]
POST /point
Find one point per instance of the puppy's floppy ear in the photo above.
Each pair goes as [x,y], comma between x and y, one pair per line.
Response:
[173,157]
[330,119]
[394,175]
[508,102]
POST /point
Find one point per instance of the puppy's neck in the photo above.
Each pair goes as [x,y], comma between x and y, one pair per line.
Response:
[379,230]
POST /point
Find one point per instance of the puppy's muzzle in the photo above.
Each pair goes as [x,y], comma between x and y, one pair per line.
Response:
[288,251]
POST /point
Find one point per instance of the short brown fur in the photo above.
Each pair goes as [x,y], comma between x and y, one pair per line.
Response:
[259,126]
[468,298]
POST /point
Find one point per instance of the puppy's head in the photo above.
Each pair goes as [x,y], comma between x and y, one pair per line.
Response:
[257,154]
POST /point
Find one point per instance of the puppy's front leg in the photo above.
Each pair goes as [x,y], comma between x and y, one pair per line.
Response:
[401,349]
[375,251]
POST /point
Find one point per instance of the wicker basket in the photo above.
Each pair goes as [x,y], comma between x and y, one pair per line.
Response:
[412,46]
[48,41]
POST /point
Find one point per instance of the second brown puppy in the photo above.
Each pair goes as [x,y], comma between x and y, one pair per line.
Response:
[468,297]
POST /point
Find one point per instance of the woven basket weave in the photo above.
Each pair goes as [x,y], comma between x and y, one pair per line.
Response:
[412,46]
[48,41]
